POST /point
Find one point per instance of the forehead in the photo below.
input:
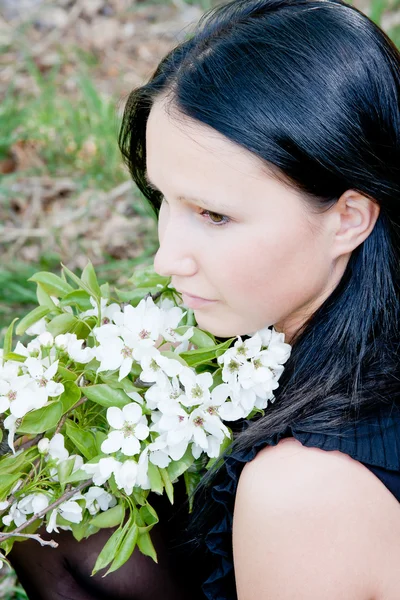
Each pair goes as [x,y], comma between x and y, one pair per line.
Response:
[179,149]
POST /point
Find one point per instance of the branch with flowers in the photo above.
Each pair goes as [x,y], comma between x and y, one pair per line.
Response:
[117,396]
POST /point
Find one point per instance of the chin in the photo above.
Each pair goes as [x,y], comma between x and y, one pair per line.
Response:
[218,327]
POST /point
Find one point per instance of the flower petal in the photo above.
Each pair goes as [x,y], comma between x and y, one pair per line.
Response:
[113,442]
[115,417]
[130,446]
[132,412]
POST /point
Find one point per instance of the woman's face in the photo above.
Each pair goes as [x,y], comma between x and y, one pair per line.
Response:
[232,234]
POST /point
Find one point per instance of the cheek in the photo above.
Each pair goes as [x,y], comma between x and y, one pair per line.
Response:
[268,275]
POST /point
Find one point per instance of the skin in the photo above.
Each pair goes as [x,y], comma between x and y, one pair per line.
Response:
[276,259]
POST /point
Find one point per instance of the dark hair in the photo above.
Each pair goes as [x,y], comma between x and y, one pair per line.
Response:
[312,87]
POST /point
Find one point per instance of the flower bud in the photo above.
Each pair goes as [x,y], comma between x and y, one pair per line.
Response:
[43,445]
[46,340]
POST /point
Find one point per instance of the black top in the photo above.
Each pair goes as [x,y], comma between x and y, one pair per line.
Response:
[374,442]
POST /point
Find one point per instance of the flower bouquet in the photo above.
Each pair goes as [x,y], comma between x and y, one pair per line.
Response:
[115,397]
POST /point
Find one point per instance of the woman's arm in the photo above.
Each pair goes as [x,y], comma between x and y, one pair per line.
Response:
[302,528]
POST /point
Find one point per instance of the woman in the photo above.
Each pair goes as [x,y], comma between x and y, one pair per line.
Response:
[269,145]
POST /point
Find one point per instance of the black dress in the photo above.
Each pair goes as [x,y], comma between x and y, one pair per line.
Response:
[374,442]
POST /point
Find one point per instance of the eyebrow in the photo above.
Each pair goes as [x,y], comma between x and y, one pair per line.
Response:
[218,208]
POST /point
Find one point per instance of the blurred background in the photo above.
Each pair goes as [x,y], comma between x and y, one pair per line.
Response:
[66,68]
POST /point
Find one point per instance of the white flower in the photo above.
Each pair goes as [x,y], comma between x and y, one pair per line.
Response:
[144,321]
[159,452]
[43,445]
[57,450]
[171,319]
[14,515]
[275,343]
[37,328]
[163,393]
[46,340]
[97,499]
[130,426]
[203,423]
[33,504]
[102,470]
[10,423]
[71,511]
[52,523]
[107,312]
[115,350]
[142,478]
[126,475]
[9,370]
[5,504]
[197,387]
[155,366]
[20,395]
[61,341]
[44,377]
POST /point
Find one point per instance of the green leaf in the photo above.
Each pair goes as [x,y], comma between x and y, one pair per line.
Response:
[7,346]
[125,549]
[109,551]
[83,440]
[174,356]
[66,374]
[105,395]
[169,488]
[145,545]
[82,530]
[196,357]
[31,318]
[156,482]
[42,419]
[70,396]
[149,515]
[109,518]
[145,277]
[89,278]
[44,299]
[177,468]
[79,298]
[191,482]
[78,475]
[6,484]
[200,338]
[61,324]
[52,284]
[64,469]
[105,291]
[15,356]
[136,295]
[18,463]
[81,284]
[100,436]
[83,328]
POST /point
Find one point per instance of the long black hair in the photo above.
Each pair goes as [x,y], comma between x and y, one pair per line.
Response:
[311,87]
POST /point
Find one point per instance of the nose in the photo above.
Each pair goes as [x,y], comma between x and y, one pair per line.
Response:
[174,256]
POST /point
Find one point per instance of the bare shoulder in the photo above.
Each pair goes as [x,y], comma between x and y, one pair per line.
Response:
[312,524]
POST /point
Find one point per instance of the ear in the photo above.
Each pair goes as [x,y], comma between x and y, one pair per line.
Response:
[355,216]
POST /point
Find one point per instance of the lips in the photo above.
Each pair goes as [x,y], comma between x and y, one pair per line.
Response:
[193,296]
[194,302]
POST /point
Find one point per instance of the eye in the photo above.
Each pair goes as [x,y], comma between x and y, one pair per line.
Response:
[215,219]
